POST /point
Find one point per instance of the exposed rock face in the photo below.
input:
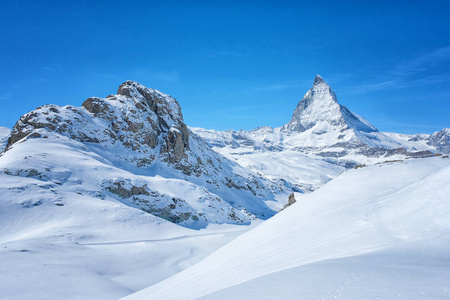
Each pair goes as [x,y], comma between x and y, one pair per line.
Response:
[441,140]
[138,118]
[173,209]
[291,200]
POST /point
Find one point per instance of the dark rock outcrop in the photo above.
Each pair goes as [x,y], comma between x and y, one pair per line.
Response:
[441,140]
[138,118]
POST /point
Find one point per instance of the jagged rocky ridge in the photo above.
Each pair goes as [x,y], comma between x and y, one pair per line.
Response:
[143,120]
[156,163]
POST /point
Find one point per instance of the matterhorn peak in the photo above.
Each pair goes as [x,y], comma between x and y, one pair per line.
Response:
[318,80]
[320,112]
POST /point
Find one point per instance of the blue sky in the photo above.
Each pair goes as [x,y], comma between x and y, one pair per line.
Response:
[232,64]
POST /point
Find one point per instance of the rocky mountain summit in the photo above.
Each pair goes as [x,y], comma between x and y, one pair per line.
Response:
[155,163]
[143,120]
[319,124]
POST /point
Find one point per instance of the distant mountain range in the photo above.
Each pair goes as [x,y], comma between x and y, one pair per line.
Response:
[321,133]
[249,174]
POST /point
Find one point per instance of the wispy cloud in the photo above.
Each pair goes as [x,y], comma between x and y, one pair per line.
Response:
[154,75]
[171,76]
[422,63]
[404,75]
[282,86]
[226,53]
[237,109]
[50,69]
[6,96]
[273,87]
[53,68]
[411,128]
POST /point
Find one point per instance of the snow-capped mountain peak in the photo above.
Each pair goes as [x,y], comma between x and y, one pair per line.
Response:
[318,80]
[320,111]
[320,130]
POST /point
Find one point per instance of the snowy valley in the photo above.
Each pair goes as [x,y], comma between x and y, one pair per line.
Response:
[119,195]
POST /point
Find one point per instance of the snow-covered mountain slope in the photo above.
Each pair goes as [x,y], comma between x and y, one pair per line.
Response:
[4,134]
[154,163]
[293,170]
[381,230]
[321,133]
[63,236]
[70,227]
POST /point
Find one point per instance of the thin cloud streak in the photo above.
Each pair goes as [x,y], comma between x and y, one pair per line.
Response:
[402,75]
[282,86]
[6,96]
[226,53]
[164,76]
[407,125]
[423,63]
[236,109]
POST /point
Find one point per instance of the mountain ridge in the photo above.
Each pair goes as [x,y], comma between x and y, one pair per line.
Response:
[141,131]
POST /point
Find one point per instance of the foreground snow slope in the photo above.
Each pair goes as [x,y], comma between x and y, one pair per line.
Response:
[378,231]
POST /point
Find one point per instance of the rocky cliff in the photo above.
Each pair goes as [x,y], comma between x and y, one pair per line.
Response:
[141,131]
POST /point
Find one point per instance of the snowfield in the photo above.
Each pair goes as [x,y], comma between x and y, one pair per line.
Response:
[63,236]
[379,232]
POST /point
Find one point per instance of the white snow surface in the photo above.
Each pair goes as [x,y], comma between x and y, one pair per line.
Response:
[379,232]
[81,191]
[280,155]
[4,134]
[64,237]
